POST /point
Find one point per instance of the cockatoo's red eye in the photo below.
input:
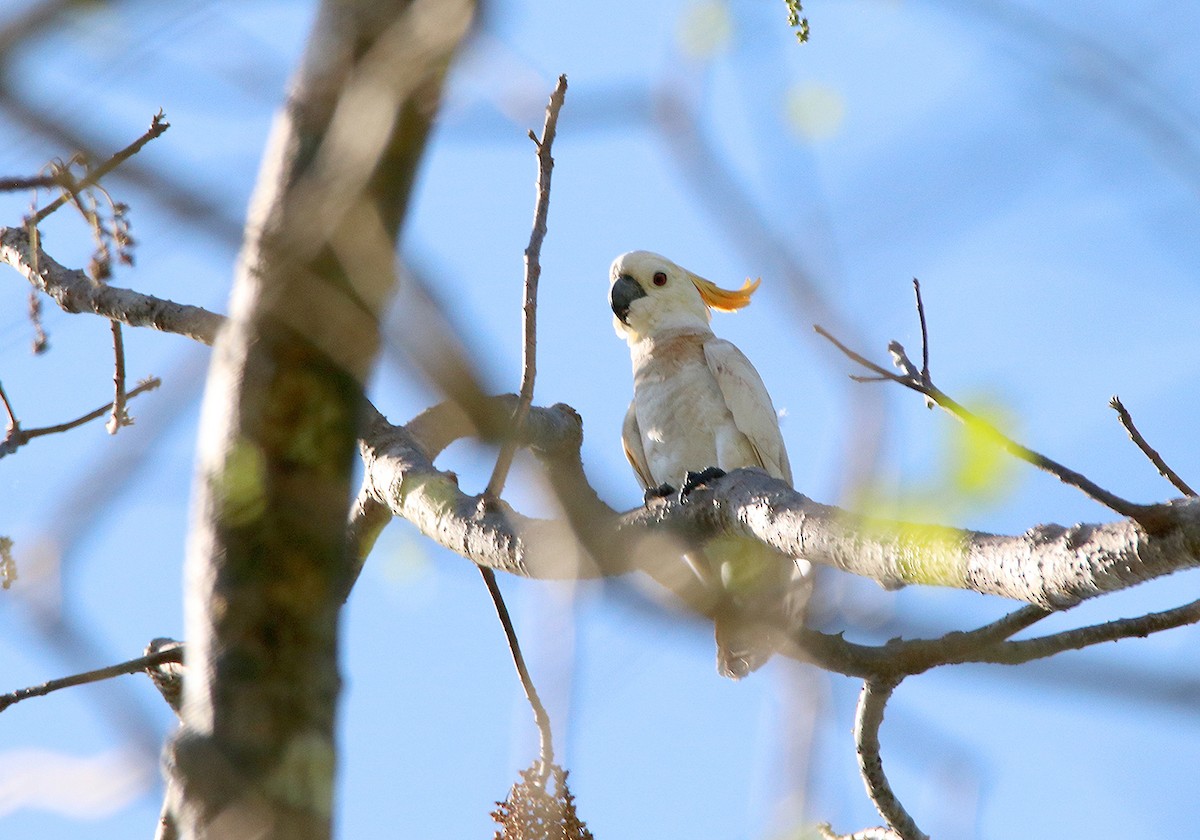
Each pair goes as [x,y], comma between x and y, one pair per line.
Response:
[660,279]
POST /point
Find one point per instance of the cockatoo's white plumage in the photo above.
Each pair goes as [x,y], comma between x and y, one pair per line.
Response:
[699,403]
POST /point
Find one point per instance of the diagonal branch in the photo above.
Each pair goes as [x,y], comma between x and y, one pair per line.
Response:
[71,187]
[1027,650]
[18,437]
[1147,450]
[132,666]
[1049,566]
[75,292]
[1148,516]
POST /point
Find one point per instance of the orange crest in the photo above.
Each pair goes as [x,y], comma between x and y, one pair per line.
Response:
[725,300]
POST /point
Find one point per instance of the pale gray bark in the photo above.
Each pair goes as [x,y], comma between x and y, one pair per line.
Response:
[1049,565]
[75,292]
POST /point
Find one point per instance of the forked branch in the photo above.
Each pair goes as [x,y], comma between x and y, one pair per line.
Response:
[533,273]
[1150,517]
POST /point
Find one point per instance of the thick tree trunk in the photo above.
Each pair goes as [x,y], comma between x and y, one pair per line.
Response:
[256,754]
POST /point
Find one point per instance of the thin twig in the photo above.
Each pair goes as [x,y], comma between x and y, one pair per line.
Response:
[533,272]
[148,385]
[899,658]
[1156,459]
[130,667]
[867,720]
[158,125]
[540,716]
[1148,516]
[924,331]
[15,184]
[18,437]
[119,417]
[989,644]
[1027,650]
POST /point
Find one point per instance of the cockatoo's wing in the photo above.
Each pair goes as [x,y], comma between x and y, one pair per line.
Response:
[748,401]
[631,440]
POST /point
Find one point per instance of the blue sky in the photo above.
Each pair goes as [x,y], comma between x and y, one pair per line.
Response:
[1039,171]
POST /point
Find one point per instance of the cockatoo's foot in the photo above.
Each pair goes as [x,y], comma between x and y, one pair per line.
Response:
[698,479]
[662,491]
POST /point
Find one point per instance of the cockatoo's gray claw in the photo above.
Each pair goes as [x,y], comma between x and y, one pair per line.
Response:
[662,491]
[698,479]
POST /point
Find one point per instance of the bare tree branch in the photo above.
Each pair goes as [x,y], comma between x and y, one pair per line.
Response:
[1027,650]
[1049,566]
[132,666]
[874,833]
[32,182]
[533,272]
[18,437]
[1147,450]
[867,720]
[1149,516]
[40,341]
[75,292]
[72,187]
[924,330]
[119,416]
[283,412]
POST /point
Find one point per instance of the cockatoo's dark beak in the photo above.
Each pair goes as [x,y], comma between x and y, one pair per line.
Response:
[624,292]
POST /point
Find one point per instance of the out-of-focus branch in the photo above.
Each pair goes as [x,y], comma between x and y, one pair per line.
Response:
[13,184]
[41,343]
[283,411]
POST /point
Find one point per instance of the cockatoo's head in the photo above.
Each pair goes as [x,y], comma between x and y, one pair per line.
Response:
[650,294]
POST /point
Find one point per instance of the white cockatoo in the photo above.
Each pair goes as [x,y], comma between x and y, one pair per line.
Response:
[698,403]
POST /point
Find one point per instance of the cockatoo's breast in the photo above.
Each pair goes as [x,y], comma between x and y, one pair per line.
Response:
[683,417]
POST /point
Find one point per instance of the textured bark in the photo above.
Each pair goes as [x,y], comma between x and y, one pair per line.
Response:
[284,411]
[256,753]
[1049,566]
[76,292]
